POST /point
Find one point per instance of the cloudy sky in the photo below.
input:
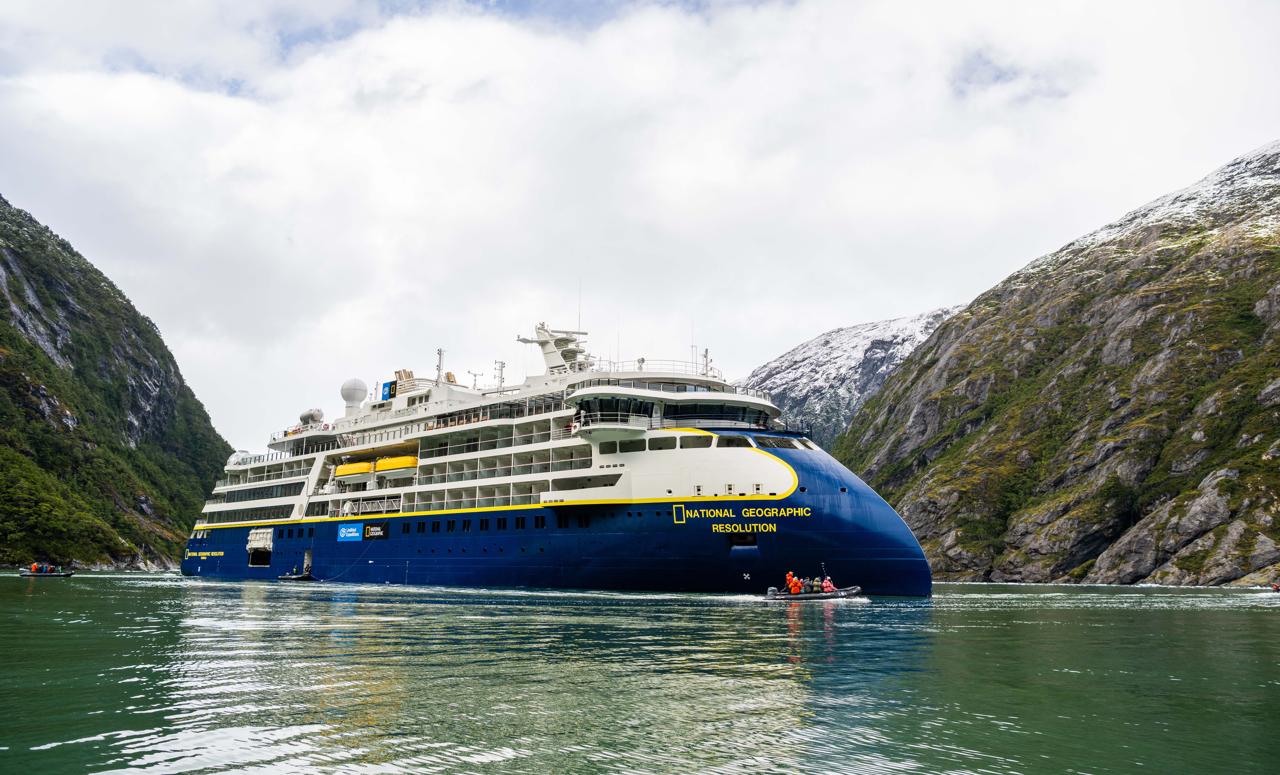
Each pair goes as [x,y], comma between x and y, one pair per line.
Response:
[299,191]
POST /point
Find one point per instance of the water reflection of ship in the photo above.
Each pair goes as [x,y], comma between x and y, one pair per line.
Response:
[398,676]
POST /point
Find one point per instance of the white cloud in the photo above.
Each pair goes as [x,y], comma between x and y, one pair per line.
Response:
[313,191]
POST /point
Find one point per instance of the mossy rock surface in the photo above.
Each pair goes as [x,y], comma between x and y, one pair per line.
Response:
[1128,369]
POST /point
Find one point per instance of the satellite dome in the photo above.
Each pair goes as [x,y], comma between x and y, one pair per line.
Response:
[311,416]
[235,456]
[354,391]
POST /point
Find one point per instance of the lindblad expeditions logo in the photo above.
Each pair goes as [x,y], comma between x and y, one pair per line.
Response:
[682,514]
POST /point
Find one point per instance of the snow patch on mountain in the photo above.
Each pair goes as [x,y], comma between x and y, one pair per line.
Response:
[1233,196]
[823,381]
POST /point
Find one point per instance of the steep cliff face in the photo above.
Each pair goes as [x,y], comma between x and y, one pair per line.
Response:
[821,383]
[105,454]
[1111,413]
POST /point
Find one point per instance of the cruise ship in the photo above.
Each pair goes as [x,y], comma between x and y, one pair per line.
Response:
[644,475]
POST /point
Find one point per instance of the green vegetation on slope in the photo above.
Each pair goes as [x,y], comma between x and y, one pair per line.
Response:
[105,454]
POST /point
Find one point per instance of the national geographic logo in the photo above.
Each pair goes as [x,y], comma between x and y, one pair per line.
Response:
[681,514]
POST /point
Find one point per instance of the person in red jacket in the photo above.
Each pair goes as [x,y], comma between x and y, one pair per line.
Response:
[827,586]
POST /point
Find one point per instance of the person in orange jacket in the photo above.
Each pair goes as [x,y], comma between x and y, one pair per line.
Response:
[34,568]
[787,584]
[795,586]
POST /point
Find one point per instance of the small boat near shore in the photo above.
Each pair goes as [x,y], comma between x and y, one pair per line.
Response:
[776,594]
[55,574]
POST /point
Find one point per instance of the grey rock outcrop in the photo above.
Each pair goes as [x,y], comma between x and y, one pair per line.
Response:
[1109,413]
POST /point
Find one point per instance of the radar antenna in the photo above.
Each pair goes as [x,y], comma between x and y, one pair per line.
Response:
[500,365]
[475,378]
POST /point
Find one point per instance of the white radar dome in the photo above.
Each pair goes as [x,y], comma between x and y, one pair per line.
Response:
[354,391]
[311,416]
[236,456]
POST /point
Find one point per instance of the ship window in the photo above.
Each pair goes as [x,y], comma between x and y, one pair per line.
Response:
[539,521]
[435,527]
[502,523]
[450,525]
[695,442]
[264,512]
[466,526]
[631,445]
[280,533]
[289,533]
[733,441]
[257,493]
[666,442]
[484,524]
[772,442]
[422,527]
[311,532]
[404,527]
[519,523]
[608,447]
[584,520]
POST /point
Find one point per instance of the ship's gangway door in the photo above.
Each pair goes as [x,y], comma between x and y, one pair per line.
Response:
[745,562]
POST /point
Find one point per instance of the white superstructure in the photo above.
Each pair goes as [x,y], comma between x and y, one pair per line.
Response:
[575,433]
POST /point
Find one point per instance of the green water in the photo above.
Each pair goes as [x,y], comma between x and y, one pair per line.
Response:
[163,674]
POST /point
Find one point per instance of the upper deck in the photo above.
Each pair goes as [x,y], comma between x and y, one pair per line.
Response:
[409,406]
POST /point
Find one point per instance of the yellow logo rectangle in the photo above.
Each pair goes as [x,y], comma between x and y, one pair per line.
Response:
[677,513]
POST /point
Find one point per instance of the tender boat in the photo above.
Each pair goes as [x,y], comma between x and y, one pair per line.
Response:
[55,574]
[776,594]
[304,576]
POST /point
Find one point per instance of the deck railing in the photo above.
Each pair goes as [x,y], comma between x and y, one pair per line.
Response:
[668,387]
[525,469]
[689,368]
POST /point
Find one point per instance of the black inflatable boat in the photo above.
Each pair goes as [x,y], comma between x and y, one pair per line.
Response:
[776,594]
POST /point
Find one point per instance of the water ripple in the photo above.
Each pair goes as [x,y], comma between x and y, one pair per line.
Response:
[165,675]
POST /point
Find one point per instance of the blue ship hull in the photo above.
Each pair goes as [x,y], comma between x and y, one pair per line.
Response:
[832,521]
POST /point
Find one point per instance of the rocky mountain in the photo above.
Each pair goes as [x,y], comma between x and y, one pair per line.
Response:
[105,453]
[1111,413]
[821,383]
